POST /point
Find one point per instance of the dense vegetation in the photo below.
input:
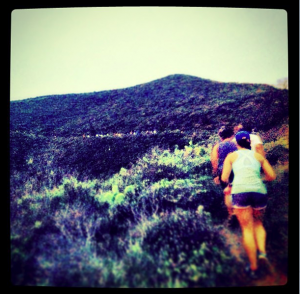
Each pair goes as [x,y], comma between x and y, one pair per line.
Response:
[175,102]
[136,210]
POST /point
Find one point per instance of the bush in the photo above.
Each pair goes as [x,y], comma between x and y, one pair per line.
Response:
[276,221]
[277,153]
[190,250]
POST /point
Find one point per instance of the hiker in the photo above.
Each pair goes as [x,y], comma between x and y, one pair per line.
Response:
[249,197]
[218,155]
[256,141]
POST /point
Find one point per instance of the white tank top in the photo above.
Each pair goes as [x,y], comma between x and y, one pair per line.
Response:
[246,169]
[255,139]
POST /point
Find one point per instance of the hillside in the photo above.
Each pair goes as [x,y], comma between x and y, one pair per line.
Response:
[139,209]
[181,108]
[174,102]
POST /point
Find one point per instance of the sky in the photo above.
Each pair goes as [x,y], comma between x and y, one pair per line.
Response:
[80,50]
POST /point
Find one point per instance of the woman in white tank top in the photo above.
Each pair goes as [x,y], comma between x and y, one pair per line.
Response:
[249,196]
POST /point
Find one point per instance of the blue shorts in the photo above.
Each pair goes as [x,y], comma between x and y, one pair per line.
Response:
[249,199]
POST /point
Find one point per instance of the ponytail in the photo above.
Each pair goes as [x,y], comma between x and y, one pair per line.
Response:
[245,144]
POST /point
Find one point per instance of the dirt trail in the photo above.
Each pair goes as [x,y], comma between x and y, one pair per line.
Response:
[234,240]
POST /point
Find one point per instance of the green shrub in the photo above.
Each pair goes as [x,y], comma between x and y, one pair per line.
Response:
[276,221]
[140,227]
[277,153]
[190,250]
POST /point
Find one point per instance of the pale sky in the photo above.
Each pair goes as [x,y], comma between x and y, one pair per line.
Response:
[79,50]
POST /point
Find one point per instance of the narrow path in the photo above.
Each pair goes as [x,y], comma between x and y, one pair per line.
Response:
[234,240]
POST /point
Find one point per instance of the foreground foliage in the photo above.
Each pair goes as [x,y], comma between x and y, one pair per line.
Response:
[155,223]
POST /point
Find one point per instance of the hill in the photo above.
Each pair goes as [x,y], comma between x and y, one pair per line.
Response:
[179,107]
[139,210]
[175,102]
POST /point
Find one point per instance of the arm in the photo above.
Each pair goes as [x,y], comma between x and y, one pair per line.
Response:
[214,158]
[227,167]
[259,148]
[257,144]
[267,168]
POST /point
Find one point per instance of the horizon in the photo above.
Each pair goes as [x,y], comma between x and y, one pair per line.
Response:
[83,50]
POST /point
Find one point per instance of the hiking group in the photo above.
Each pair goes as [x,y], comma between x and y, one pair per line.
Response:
[237,160]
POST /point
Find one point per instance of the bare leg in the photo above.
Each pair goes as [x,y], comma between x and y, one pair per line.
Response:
[228,200]
[259,231]
[228,203]
[245,218]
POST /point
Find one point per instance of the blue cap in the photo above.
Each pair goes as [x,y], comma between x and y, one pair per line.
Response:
[243,135]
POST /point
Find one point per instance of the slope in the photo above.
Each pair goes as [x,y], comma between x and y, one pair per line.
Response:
[174,102]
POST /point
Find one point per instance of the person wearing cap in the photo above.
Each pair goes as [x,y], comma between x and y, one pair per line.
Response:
[218,155]
[249,196]
[255,139]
